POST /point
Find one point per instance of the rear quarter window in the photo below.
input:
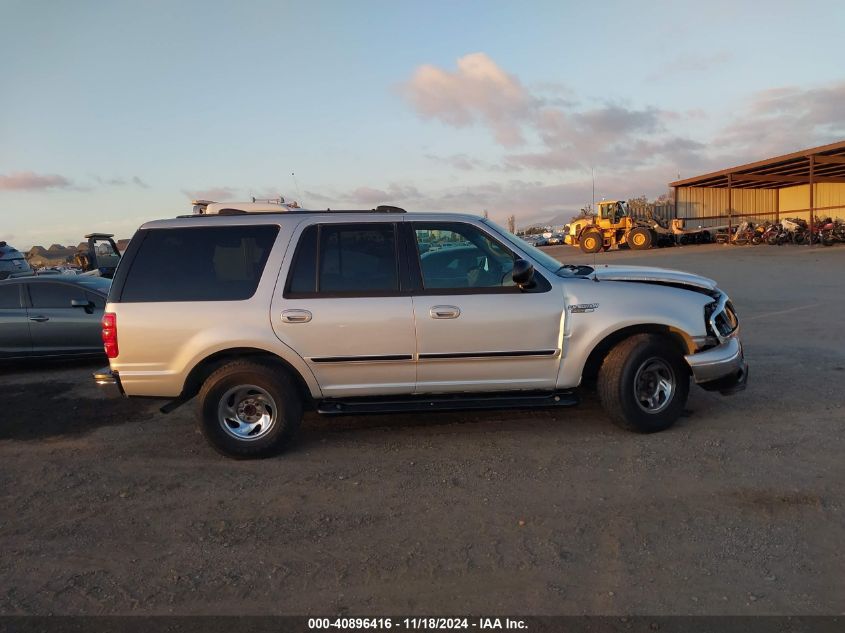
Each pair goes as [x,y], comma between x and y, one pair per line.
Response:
[209,263]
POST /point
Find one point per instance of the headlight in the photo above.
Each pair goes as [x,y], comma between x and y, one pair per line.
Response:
[721,318]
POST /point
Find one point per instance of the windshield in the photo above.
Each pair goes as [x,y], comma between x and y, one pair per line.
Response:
[546,261]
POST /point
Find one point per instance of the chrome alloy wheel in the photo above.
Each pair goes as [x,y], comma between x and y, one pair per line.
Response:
[247,412]
[654,385]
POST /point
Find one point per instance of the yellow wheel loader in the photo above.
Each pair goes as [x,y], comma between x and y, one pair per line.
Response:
[614,226]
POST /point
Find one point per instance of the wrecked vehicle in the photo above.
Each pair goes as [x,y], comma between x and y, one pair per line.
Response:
[12,261]
[100,257]
[260,311]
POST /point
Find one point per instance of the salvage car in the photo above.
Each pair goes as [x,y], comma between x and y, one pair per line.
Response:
[12,261]
[52,316]
[259,311]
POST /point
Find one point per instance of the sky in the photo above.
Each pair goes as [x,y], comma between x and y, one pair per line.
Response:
[117,112]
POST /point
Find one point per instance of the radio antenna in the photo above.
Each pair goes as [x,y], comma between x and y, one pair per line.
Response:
[298,192]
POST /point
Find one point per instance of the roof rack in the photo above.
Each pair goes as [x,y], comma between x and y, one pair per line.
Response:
[209,207]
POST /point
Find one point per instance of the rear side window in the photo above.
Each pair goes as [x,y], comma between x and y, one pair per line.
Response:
[210,263]
[345,260]
[10,296]
[303,277]
[46,295]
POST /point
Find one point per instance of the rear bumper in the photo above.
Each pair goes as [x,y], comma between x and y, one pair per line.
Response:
[722,368]
[109,380]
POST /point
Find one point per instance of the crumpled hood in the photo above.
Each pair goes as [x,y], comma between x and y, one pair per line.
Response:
[653,275]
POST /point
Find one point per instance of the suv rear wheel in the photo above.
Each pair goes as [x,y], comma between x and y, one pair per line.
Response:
[247,409]
[643,383]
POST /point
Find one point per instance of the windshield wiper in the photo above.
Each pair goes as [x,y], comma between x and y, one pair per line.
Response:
[578,271]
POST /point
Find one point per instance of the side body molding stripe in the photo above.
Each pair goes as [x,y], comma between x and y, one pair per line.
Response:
[433,356]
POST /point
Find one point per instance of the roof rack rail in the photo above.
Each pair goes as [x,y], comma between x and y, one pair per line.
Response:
[387,208]
[208,207]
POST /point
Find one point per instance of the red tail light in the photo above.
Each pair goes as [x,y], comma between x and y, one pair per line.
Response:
[109,324]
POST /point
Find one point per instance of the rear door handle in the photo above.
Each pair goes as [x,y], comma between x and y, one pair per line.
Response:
[39,318]
[296,316]
[445,312]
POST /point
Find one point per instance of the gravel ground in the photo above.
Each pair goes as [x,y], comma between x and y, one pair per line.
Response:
[109,507]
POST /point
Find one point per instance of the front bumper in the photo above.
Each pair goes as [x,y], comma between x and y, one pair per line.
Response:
[721,368]
[110,380]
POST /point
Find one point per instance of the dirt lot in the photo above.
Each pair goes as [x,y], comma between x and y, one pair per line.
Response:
[107,506]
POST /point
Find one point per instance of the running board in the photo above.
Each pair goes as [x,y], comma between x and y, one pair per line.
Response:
[447,402]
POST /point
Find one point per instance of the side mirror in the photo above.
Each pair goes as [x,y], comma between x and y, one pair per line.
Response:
[523,272]
[88,306]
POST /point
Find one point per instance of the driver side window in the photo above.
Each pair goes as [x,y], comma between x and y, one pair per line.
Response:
[457,256]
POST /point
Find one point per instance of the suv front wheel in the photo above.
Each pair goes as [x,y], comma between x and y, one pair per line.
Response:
[247,409]
[643,383]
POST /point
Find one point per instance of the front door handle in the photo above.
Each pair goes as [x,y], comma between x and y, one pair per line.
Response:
[39,319]
[445,312]
[296,316]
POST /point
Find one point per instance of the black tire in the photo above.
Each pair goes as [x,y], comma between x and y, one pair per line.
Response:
[246,380]
[632,359]
[639,239]
[591,241]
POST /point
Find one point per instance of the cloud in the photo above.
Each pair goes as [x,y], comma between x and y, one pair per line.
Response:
[478,90]
[218,194]
[787,119]
[30,181]
[463,162]
[564,134]
[393,193]
[498,197]
[316,195]
[121,182]
[633,149]
[690,64]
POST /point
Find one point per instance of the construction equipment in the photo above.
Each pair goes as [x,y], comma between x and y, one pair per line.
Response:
[614,225]
[101,256]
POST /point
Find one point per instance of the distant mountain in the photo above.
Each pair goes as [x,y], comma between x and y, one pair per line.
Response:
[57,254]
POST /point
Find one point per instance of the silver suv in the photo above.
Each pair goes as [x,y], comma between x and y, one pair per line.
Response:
[263,310]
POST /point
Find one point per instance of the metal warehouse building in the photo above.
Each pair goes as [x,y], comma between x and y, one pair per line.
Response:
[809,184]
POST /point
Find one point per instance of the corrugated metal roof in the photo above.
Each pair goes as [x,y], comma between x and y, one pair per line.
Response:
[788,170]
